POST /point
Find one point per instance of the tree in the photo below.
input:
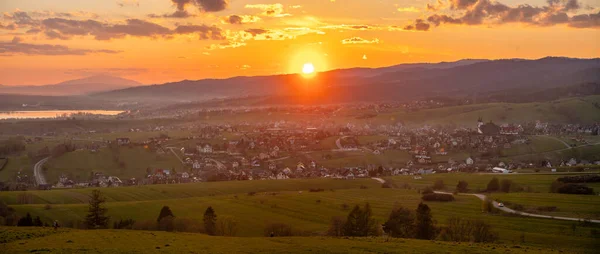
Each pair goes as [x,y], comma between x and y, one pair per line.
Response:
[493,185]
[439,185]
[227,226]
[424,224]
[336,227]
[26,221]
[210,221]
[462,186]
[96,217]
[360,222]
[38,222]
[505,185]
[482,232]
[164,212]
[458,230]
[400,223]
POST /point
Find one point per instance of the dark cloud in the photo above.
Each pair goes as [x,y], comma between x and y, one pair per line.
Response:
[205,32]
[58,28]
[16,47]
[204,5]
[234,19]
[586,21]
[177,15]
[8,27]
[477,12]
[20,18]
[419,25]
[256,31]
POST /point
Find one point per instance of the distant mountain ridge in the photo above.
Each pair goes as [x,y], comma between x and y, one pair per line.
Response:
[399,82]
[83,86]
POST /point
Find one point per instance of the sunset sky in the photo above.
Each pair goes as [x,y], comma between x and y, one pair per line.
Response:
[157,41]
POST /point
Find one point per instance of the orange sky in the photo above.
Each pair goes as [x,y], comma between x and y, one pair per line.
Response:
[48,41]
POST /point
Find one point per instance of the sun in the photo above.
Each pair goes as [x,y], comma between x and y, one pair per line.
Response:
[308,68]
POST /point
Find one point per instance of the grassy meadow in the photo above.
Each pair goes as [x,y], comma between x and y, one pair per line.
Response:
[290,202]
[30,240]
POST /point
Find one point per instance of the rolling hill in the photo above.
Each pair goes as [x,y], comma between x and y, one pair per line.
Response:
[92,84]
[401,82]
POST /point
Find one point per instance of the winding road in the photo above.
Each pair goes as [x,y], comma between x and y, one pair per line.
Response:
[38,171]
[508,210]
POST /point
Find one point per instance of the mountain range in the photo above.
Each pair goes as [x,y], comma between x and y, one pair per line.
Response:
[401,82]
[83,86]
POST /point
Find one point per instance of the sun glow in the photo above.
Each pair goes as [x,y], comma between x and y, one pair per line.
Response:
[308,68]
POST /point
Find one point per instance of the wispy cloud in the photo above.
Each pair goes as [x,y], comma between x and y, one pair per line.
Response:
[17,47]
[359,40]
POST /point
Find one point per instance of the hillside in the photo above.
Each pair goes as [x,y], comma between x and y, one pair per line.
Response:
[27,240]
[401,82]
[92,84]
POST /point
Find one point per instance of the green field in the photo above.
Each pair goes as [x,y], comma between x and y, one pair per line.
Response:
[28,240]
[125,162]
[578,206]
[310,212]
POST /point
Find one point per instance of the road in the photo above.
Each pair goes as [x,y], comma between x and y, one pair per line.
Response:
[338,142]
[220,165]
[175,153]
[506,209]
[38,171]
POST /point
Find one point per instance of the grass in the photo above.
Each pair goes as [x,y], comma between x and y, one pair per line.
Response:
[578,206]
[539,144]
[126,162]
[14,165]
[175,191]
[311,211]
[123,241]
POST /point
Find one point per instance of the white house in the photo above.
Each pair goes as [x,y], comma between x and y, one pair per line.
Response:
[500,170]
[469,161]
[206,148]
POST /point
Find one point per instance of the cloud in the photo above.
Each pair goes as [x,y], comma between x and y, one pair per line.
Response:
[269,10]
[359,40]
[225,45]
[59,28]
[17,47]
[350,27]
[202,5]
[419,25]
[123,3]
[435,7]
[478,12]
[409,9]
[239,19]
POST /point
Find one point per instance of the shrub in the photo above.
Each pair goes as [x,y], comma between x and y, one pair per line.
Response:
[571,188]
[345,206]
[336,226]
[251,193]
[124,224]
[505,185]
[278,229]
[580,179]
[187,225]
[462,186]
[464,230]
[147,225]
[47,207]
[493,185]
[439,185]
[166,224]
[227,226]
[316,190]
[427,190]
[441,197]
[360,222]
[400,223]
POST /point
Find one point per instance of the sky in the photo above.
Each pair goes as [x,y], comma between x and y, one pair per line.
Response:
[158,41]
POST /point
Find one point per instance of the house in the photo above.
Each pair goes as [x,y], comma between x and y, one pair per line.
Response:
[204,148]
[469,161]
[500,170]
[123,141]
[196,165]
[281,176]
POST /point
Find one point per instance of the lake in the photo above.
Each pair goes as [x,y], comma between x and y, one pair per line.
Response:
[53,113]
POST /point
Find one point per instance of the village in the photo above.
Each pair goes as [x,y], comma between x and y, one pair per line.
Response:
[285,150]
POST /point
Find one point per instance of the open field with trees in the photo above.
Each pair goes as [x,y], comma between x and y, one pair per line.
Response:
[27,240]
[306,207]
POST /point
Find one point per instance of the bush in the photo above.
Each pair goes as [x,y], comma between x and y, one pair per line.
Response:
[124,224]
[493,185]
[439,185]
[147,225]
[427,190]
[278,229]
[336,226]
[251,193]
[580,179]
[316,190]
[227,226]
[438,197]
[573,188]
[462,186]
[166,224]
[505,185]
[464,230]
[187,225]
[570,188]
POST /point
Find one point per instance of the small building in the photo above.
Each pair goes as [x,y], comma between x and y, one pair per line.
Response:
[123,141]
